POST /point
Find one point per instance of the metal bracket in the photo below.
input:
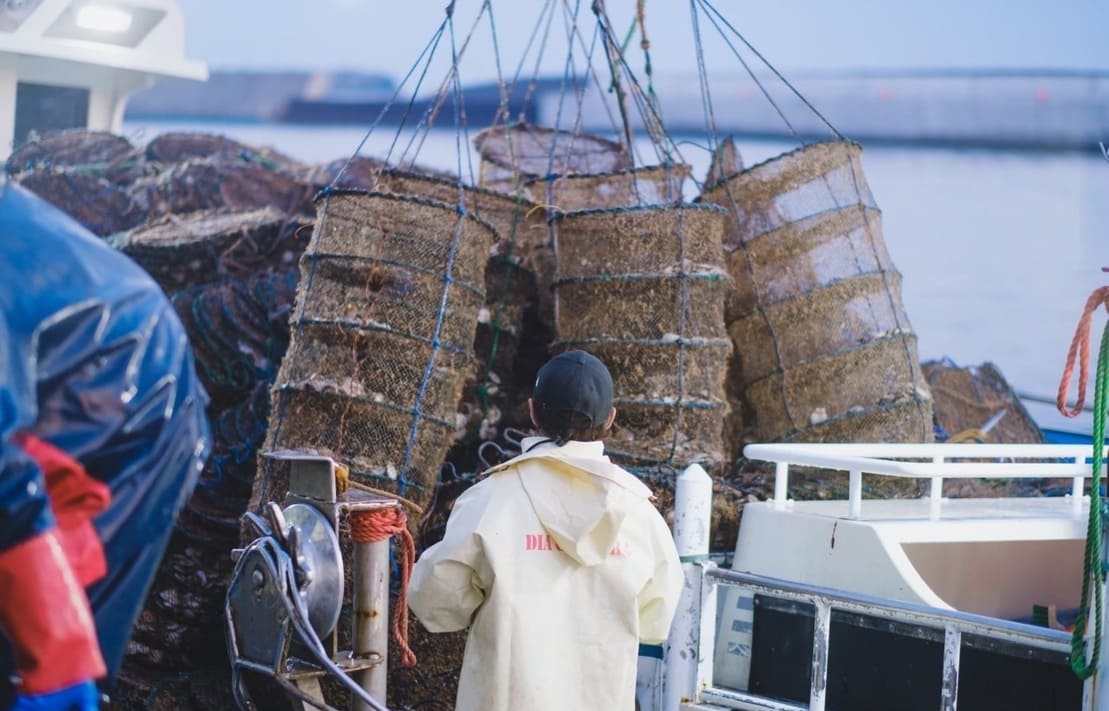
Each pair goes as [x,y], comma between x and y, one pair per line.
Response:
[287,590]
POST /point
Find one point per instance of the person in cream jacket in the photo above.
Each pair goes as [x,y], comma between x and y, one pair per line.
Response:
[557,561]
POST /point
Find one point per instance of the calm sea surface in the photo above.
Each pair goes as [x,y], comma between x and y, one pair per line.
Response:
[998,250]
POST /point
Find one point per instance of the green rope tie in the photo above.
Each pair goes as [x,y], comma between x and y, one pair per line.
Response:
[483,382]
[1092,573]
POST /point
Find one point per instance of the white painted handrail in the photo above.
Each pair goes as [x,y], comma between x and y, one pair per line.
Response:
[934,462]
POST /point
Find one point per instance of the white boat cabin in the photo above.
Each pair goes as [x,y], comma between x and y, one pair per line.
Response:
[73,63]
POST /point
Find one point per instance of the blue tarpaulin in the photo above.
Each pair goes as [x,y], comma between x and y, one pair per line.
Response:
[95,362]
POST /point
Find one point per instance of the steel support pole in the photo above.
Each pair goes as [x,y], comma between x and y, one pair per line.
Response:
[692,521]
[371,616]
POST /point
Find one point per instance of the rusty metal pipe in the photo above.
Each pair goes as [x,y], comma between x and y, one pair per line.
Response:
[371,616]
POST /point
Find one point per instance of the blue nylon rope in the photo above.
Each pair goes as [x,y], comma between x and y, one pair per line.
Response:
[561,105]
[419,83]
[402,481]
[664,146]
[502,109]
[427,120]
[703,84]
[534,83]
[551,241]
[430,46]
[683,307]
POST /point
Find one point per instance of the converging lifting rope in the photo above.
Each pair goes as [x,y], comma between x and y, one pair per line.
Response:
[720,22]
[1093,573]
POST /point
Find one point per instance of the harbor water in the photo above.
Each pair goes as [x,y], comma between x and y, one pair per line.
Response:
[998,249]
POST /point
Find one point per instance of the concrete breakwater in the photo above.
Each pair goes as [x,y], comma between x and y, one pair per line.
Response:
[1050,111]
[995,109]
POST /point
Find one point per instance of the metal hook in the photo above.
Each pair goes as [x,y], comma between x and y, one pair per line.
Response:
[503,453]
[515,437]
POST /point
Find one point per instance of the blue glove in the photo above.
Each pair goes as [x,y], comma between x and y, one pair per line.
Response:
[82,696]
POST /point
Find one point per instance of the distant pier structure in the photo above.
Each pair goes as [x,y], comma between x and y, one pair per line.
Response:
[1032,109]
[988,109]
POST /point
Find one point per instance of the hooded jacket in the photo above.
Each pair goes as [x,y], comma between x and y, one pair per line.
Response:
[561,566]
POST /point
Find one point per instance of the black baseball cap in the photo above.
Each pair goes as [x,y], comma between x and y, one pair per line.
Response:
[574,381]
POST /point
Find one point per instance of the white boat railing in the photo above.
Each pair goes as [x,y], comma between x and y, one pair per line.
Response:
[934,462]
[952,624]
[691,655]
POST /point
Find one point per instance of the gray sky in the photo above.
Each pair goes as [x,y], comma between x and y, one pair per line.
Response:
[386,36]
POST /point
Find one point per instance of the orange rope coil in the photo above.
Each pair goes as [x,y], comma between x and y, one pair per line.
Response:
[1080,349]
[378,525]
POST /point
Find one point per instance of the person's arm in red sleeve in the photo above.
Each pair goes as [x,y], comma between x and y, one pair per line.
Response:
[75,497]
[44,611]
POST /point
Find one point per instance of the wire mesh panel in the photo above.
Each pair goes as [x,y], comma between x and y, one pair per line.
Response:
[513,154]
[240,182]
[643,289]
[651,185]
[239,331]
[357,172]
[824,349]
[490,400]
[205,246]
[96,202]
[383,338]
[969,400]
[105,154]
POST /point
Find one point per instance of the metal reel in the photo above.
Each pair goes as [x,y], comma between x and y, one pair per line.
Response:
[317,559]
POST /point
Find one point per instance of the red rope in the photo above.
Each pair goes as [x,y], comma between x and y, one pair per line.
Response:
[378,525]
[1080,349]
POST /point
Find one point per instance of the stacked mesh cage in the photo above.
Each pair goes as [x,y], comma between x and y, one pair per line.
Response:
[824,349]
[968,402]
[180,146]
[520,152]
[239,332]
[83,173]
[109,185]
[174,631]
[383,337]
[558,170]
[112,155]
[649,185]
[495,394]
[643,288]
[99,204]
[236,182]
[205,245]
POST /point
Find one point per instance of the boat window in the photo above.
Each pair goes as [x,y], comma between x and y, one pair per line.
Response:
[43,107]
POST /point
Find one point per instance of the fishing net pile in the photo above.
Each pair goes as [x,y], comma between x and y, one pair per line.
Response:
[196,247]
[976,403]
[109,185]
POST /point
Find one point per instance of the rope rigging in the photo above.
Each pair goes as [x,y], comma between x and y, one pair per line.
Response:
[1093,568]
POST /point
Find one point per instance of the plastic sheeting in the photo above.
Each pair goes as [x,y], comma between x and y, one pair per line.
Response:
[95,361]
